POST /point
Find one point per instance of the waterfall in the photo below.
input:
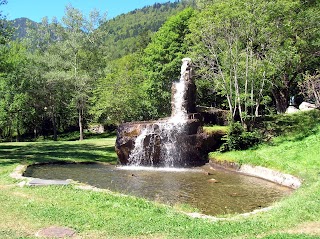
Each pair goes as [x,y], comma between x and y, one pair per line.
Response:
[179,112]
[163,137]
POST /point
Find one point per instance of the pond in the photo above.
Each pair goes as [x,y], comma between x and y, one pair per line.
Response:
[214,193]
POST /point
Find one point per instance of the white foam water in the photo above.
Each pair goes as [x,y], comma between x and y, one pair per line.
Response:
[158,169]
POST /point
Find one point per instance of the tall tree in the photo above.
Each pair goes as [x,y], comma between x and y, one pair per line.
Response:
[249,58]
[69,55]
[80,40]
[229,56]
[51,86]
[15,110]
[119,96]
[162,59]
[310,88]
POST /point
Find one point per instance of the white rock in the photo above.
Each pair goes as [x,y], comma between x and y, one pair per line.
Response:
[291,110]
[305,106]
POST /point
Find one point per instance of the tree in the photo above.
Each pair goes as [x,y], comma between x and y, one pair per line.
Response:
[162,60]
[249,59]
[5,29]
[119,96]
[15,110]
[225,40]
[51,85]
[79,40]
[69,56]
[310,88]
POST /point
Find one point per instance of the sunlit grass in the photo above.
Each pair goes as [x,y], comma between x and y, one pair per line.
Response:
[299,157]
[216,128]
[24,210]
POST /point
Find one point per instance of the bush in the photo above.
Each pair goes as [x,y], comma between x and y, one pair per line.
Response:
[298,125]
[239,139]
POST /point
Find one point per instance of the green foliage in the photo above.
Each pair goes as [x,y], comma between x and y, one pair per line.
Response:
[16,109]
[294,126]
[289,149]
[310,87]
[162,60]
[289,126]
[67,63]
[75,71]
[239,139]
[131,32]
[119,96]
[67,57]
[244,58]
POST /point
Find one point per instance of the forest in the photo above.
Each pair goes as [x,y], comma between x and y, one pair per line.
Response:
[250,58]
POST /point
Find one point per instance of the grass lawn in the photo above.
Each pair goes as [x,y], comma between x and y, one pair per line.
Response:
[25,210]
[215,128]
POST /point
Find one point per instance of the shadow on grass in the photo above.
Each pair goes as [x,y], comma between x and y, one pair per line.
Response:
[87,135]
[55,152]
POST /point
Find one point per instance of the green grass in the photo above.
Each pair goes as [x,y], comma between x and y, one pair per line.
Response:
[215,128]
[25,210]
[300,157]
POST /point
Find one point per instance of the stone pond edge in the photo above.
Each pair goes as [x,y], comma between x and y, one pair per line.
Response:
[255,171]
[268,174]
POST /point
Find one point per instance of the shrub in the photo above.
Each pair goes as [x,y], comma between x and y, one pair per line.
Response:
[298,125]
[239,139]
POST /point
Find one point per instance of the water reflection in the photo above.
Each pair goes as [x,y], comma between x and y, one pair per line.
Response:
[229,193]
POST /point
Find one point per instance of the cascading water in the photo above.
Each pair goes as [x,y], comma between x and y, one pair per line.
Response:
[177,141]
[162,138]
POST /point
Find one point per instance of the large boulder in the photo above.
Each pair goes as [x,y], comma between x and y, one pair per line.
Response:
[291,110]
[305,106]
[191,146]
[126,137]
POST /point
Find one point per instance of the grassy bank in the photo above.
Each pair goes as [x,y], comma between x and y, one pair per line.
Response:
[25,210]
[296,152]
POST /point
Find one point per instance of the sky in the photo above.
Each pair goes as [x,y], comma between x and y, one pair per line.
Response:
[37,9]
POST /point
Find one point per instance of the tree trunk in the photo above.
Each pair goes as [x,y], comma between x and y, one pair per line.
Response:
[281,99]
[81,124]
[17,127]
[54,125]
[18,138]
[35,132]
[10,133]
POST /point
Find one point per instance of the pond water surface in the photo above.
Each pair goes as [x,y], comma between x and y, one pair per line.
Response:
[220,192]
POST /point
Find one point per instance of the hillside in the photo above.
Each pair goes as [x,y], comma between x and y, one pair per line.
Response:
[21,24]
[132,31]
[127,32]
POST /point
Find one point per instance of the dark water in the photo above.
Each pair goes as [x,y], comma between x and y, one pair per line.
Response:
[233,193]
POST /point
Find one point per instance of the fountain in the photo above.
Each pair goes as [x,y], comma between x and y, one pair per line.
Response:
[176,141]
[168,145]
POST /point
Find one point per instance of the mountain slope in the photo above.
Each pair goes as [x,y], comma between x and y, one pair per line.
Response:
[21,24]
[132,31]
[128,32]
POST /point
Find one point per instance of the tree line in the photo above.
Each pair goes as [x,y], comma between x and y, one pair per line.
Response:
[250,56]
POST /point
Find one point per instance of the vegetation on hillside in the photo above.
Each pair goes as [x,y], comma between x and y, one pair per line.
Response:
[131,32]
[65,75]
